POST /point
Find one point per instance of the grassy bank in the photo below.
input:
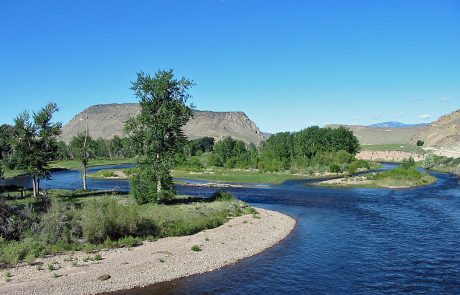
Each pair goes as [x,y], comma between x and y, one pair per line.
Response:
[73,164]
[89,221]
[409,148]
[214,174]
[443,164]
[396,178]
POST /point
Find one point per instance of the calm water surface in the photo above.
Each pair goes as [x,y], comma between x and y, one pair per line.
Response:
[347,241]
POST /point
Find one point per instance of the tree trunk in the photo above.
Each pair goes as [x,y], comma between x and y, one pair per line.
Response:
[158,177]
[84,178]
[34,185]
[158,185]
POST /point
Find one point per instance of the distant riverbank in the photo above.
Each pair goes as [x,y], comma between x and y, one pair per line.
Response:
[395,179]
[153,262]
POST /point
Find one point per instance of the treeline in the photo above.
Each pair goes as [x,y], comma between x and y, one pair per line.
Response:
[115,148]
[313,149]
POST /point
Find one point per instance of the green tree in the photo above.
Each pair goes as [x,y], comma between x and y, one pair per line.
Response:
[156,134]
[35,143]
[64,153]
[5,146]
[82,147]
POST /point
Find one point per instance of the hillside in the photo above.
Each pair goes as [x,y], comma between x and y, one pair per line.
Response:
[378,135]
[107,120]
[442,133]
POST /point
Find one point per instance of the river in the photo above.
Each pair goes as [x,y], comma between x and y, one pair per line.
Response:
[347,240]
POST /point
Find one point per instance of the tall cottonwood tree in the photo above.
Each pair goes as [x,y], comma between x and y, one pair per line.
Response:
[82,148]
[156,134]
[35,143]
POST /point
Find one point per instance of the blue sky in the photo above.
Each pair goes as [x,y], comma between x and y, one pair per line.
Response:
[287,64]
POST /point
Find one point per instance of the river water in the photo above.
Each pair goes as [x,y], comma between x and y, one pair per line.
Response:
[347,241]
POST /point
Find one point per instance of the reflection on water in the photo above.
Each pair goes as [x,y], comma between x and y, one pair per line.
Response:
[367,241]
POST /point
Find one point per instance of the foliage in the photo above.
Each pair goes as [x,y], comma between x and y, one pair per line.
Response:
[196,147]
[64,153]
[443,164]
[335,168]
[408,163]
[311,147]
[420,142]
[82,147]
[60,224]
[196,248]
[5,146]
[406,175]
[156,133]
[106,218]
[107,222]
[15,221]
[221,195]
[35,143]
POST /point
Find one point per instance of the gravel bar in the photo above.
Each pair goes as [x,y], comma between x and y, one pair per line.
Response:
[152,262]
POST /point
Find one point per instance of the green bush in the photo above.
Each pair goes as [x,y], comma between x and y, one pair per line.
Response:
[196,248]
[335,168]
[221,195]
[60,224]
[106,218]
[107,173]
[355,165]
[408,163]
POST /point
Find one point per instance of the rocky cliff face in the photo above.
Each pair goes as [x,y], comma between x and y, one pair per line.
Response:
[442,133]
[108,120]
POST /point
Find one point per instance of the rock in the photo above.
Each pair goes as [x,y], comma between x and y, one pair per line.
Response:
[104,277]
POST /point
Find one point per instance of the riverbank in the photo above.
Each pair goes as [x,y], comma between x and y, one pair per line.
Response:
[222,177]
[394,179]
[152,262]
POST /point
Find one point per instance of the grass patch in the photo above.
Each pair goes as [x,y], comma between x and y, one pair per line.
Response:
[396,178]
[74,164]
[394,147]
[211,174]
[196,248]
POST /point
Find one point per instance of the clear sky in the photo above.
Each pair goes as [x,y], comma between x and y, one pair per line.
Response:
[287,64]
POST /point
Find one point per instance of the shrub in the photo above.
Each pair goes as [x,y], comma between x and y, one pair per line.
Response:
[106,218]
[60,224]
[215,160]
[15,221]
[355,165]
[107,173]
[420,142]
[221,195]
[334,168]
[408,163]
[196,248]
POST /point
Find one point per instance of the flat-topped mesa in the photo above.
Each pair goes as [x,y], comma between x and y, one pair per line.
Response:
[107,120]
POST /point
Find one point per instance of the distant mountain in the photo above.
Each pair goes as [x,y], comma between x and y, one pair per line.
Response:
[107,120]
[395,124]
[442,133]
